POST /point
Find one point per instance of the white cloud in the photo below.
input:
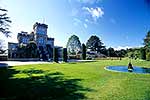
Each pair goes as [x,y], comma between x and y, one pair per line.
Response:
[89,1]
[78,22]
[95,13]
[126,47]
[122,47]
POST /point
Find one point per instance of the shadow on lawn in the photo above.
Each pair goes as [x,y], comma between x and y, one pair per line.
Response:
[51,86]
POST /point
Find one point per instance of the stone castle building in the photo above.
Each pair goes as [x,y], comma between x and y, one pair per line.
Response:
[39,37]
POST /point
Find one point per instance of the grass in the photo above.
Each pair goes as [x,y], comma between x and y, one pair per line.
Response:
[73,81]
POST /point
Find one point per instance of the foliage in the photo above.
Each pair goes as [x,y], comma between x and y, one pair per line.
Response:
[147,40]
[73,45]
[148,56]
[4,22]
[134,53]
[32,50]
[143,53]
[55,55]
[50,50]
[22,51]
[2,47]
[111,52]
[65,56]
[104,51]
[83,51]
[94,44]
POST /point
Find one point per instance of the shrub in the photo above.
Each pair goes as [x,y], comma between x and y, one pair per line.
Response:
[148,56]
[83,51]
[143,53]
[55,55]
[65,56]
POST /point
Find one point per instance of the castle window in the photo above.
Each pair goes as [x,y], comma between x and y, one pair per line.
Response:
[24,40]
[41,40]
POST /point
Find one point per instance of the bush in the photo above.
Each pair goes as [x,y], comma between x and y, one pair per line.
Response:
[65,56]
[83,51]
[148,56]
[143,53]
[55,55]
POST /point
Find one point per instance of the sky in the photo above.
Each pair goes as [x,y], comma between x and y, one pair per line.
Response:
[118,23]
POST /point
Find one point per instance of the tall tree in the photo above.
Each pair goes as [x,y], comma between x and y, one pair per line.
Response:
[143,53]
[50,50]
[65,56]
[55,55]
[147,40]
[94,44]
[73,45]
[111,52]
[83,51]
[1,45]
[4,22]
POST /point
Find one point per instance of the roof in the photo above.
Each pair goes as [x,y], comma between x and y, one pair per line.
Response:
[50,38]
[39,24]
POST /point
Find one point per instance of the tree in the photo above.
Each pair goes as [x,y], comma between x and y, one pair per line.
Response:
[73,45]
[94,44]
[65,56]
[4,22]
[111,52]
[1,47]
[143,53]
[22,51]
[148,56]
[147,40]
[32,50]
[4,25]
[49,50]
[55,55]
[83,51]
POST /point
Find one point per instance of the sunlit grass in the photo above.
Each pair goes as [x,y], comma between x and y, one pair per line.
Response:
[101,84]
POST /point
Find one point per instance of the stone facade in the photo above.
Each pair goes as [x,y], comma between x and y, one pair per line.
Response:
[38,36]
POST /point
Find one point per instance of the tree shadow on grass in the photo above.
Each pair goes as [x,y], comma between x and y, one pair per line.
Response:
[51,86]
[147,95]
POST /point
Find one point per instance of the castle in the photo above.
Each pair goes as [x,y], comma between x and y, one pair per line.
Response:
[44,44]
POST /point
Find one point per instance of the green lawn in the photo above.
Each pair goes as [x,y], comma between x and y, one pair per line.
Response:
[69,81]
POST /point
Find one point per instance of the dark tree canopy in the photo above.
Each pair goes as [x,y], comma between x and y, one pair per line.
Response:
[4,22]
[83,51]
[111,52]
[73,45]
[32,50]
[55,55]
[65,56]
[143,53]
[94,44]
[147,40]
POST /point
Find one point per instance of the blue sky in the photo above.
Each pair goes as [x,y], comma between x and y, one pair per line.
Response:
[118,23]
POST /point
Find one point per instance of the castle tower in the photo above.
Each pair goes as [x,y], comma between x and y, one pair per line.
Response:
[40,31]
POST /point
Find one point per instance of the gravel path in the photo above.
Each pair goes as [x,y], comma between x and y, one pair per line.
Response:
[15,63]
